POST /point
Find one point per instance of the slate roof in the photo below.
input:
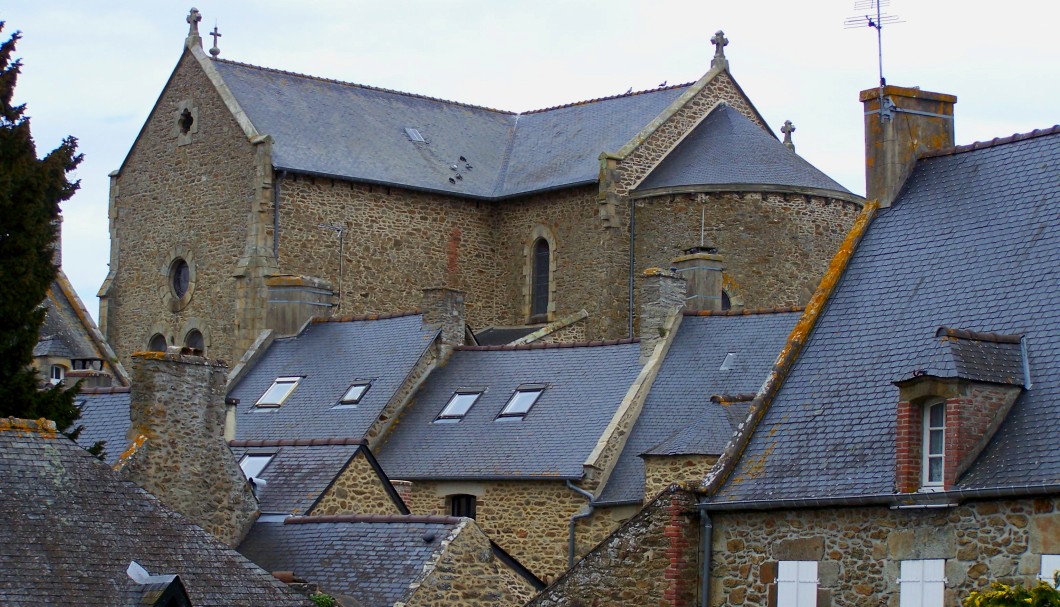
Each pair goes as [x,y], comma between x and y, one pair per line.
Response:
[726,149]
[679,416]
[70,527]
[973,243]
[297,475]
[104,417]
[330,356]
[62,333]
[584,387]
[374,560]
[357,132]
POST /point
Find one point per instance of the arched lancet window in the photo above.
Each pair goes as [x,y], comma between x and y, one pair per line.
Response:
[194,340]
[539,281]
[157,343]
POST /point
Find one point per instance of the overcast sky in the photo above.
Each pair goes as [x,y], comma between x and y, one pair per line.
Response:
[93,69]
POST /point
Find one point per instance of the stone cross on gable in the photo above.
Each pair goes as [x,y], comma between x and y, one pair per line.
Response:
[788,129]
[720,42]
[194,17]
[215,51]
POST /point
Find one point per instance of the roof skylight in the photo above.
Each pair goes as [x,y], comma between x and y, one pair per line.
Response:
[278,392]
[730,360]
[458,406]
[354,394]
[253,463]
[414,135]
[521,402]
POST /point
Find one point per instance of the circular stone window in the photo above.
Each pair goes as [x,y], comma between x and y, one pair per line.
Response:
[178,283]
[180,277]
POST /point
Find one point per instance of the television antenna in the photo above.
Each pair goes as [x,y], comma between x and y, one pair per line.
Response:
[875,21]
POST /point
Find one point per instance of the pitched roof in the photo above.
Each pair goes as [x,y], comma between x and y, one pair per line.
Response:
[375,560]
[329,357]
[71,526]
[983,357]
[104,417]
[972,242]
[357,132]
[679,415]
[297,475]
[583,388]
[728,151]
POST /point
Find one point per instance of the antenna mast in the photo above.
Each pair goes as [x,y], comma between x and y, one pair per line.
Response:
[876,22]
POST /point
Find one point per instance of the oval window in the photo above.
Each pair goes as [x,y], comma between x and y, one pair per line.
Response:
[180,277]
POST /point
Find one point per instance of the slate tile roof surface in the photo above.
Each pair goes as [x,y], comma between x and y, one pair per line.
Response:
[960,354]
[373,562]
[972,242]
[296,476]
[358,132]
[679,415]
[70,527]
[62,333]
[728,149]
[105,417]
[584,387]
[329,357]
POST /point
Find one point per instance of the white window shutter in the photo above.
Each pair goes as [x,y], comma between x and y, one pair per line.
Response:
[1050,565]
[797,584]
[807,584]
[922,583]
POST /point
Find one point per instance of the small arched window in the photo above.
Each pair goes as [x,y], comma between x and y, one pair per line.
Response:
[157,343]
[539,281]
[194,340]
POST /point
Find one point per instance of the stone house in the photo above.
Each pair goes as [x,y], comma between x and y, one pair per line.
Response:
[253,199]
[904,450]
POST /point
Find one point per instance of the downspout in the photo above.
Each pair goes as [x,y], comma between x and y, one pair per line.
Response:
[706,549]
[276,215]
[574,520]
[632,260]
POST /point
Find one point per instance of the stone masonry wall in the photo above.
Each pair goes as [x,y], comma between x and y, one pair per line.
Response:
[776,247]
[859,550]
[357,490]
[467,574]
[662,471]
[195,197]
[652,561]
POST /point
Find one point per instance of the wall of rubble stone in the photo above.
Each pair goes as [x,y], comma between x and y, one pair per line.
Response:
[468,574]
[662,471]
[357,490]
[859,550]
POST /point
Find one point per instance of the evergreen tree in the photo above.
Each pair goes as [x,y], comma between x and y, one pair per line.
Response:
[30,192]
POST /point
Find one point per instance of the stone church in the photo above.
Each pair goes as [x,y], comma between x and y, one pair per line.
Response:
[255,199]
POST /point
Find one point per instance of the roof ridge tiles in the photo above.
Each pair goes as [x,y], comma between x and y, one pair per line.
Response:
[373,518]
[594,100]
[361,86]
[744,312]
[297,442]
[537,346]
[42,426]
[996,141]
[104,390]
[363,317]
[977,336]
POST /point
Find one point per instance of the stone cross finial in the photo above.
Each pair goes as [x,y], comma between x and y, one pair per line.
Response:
[720,42]
[194,17]
[216,34]
[788,129]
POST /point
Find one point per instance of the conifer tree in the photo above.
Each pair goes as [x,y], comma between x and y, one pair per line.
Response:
[30,192]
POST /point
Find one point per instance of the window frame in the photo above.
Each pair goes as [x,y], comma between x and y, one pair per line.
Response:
[459,505]
[268,457]
[507,414]
[292,380]
[447,416]
[797,583]
[540,279]
[914,586]
[927,455]
[345,403]
[55,381]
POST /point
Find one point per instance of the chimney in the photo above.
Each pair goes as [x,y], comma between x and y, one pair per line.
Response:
[910,123]
[444,308]
[664,295]
[404,490]
[179,454]
[701,268]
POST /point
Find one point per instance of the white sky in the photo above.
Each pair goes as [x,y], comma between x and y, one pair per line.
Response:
[94,68]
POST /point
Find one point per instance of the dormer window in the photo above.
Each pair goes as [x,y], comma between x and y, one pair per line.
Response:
[58,374]
[933,447]
[353,394]
[458,406]
[278,392]
[521,402]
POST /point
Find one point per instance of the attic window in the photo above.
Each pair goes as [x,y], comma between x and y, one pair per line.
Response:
[414,135]
[253,463]
[278,392]
[186,121]
[58,374]
[521,402]
[730,360]
[458,406]
[934,447]
[353,394]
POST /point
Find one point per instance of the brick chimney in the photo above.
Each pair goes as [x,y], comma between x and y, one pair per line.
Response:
[911,123]
[178,452]
[444,308]
[701,267]
[664,295]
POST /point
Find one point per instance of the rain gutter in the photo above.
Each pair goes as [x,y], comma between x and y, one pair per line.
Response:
[588,511]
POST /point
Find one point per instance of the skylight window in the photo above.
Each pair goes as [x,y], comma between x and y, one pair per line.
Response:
[730,360]
[354,394]
[414,135]
[253,463]
[521,402]
[278,392]
[458,406]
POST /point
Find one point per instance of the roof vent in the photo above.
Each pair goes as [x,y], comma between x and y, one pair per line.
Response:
[414,135]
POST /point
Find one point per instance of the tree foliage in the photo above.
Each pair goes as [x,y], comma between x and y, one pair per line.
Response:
[31,189]
[1002,595]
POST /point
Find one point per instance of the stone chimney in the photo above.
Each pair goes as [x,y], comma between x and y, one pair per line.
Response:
[910,123]
[178,452]
[443,307]
[663,295]
[701,268]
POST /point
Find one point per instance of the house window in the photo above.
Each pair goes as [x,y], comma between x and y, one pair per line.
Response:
[520,402]
[278,392]
[58,374]
[157,343]
[1050,568]
[253,463]
[797,584]
[353,394]
[933,446]
[462,505]
[458,406]
[539,281]
[195,341]
[922,583]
